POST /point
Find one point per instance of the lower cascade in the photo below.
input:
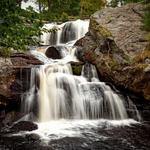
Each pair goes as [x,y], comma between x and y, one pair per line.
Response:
[62,95]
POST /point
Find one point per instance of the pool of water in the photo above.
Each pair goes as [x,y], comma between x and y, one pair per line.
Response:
[81,135]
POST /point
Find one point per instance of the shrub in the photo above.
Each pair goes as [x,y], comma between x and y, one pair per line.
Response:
[64,17]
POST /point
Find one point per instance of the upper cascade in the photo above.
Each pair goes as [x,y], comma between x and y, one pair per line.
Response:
[65,32]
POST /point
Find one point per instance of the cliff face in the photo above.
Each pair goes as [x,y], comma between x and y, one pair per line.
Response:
[116,44]
[14,80]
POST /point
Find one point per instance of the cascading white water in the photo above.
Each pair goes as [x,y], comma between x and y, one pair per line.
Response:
[62,95]
[64,33]
[29,97]
[102,101]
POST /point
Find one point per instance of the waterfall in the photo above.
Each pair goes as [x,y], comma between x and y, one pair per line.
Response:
[62,95]
[29,97]
[65,32]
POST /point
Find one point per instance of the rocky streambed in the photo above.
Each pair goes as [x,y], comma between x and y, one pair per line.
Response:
[106,135]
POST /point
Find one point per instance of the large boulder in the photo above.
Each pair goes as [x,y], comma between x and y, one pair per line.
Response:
[15,73]
[116,44]
[24,59]
[24,126]
[52,52]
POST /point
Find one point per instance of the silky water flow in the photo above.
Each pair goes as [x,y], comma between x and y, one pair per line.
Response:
[65,101]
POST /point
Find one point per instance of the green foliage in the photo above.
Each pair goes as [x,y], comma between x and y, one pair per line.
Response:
[88,7]
[18,28]
[147,17]
[5,52]
[64,17]
[21,28]
[70,8]
[115,3]
[59,10]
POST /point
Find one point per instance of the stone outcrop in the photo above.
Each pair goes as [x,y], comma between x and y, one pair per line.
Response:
[24,126]
[24,59]
[116,44]
[14,80]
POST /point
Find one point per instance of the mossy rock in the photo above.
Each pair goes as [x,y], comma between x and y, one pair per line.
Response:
[142,56]
[77,68]
[5,52]
[104,32]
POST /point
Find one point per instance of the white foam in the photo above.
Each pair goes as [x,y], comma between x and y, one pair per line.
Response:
[76,128]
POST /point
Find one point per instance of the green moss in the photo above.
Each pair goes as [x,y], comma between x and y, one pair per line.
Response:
[147,37]
[109,19]
[140,58]
[114,65]
[139,67]
[5,52]
[76,69]
[103,31]
[97,27]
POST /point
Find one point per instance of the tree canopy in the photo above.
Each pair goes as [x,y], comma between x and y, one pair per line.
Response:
[54,9]
[20,28]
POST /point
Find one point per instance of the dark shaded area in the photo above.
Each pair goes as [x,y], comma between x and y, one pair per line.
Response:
[24,126]
[53,53]
[10,109]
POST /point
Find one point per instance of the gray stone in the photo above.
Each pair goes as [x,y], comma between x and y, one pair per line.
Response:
[116,44]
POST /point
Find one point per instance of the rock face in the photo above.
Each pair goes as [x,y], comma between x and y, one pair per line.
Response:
[116,44]
[14,80]
[24,126]
[22,59]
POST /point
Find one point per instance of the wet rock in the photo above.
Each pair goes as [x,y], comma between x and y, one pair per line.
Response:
[24,126]
[24,59]
[53,53]
[14,81]
[33,137]
[116,45]
[135,136]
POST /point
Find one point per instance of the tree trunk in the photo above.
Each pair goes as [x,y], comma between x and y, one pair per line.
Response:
[49,2]
[40,6]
